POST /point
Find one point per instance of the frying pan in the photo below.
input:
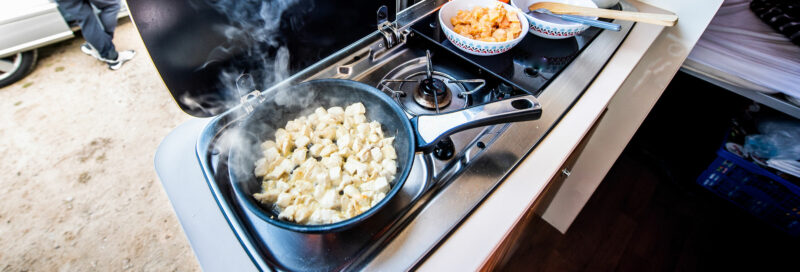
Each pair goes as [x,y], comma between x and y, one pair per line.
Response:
[420,133]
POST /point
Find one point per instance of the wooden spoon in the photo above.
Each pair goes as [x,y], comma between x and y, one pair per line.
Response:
[650,18]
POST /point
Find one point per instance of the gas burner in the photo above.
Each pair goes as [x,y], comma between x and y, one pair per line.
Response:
[432,94]
[419,89]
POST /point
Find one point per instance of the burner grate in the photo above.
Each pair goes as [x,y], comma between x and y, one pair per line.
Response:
[430,91]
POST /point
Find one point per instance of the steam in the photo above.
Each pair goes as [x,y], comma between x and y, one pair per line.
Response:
[257,52]
[254,45]
[261,59]
[254,31]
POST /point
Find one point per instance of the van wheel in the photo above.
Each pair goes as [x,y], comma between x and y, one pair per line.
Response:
[15,67]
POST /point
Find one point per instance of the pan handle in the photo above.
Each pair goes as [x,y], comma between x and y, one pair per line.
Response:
[433,127]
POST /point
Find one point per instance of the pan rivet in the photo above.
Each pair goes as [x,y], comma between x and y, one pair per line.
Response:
[444,149]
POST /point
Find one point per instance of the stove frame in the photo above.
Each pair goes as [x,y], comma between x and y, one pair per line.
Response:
[438,207]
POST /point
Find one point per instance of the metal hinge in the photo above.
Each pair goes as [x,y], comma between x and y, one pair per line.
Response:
[566,172]
[391,36]
[250,100]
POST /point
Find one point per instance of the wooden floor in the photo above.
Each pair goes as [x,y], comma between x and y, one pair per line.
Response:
[649,215]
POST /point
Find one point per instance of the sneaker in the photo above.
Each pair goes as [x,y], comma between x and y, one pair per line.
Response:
[122,57]
[89,50]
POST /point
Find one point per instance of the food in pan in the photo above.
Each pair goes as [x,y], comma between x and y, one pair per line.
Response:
[494,24]
[326,167]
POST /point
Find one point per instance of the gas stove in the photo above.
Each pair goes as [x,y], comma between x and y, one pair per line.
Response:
[411,61]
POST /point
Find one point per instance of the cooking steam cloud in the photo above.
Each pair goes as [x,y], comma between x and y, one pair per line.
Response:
[253,35]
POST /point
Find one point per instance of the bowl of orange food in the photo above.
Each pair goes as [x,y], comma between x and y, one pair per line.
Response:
[482,27]
[551,27]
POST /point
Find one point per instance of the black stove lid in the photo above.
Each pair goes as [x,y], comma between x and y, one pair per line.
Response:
[201,47]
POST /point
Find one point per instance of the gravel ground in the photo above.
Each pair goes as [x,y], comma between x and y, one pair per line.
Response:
[77,140]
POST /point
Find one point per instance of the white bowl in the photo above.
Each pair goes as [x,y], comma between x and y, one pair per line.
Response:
[550,27]
[471,46]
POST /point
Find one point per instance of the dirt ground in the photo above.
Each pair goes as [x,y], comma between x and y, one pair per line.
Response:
[78,191]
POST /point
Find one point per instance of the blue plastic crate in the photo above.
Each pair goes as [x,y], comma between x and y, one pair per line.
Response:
[754,189]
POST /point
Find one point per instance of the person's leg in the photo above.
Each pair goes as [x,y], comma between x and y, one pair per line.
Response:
[91,28]
[108,14]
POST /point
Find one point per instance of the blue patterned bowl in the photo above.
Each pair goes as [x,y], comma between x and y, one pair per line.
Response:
[547,26]
[475,47]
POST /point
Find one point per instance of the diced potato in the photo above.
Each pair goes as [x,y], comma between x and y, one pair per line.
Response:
[360,118]
[377,198]
[269,196]
[302,213]
[320,111]
[281,186]
[328,200]
[355,109]
[351,191]
[376,154]
[319,191]
[299,156]
[283,167]
[335,174]
[315,149]
[287,213]
[389,166]
[284,199]
[343,141]
[388,152]
[351,166]
[378,185]
[301,141]
[373,138]
[387,142]
[267,144]
[261,167]
[327,166]
[333,160]
[337,113]
[271,154]
[346,180]
[327,150]
[363,154]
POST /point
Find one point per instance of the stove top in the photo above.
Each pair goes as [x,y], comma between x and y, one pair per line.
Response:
[529,65]
[424,74]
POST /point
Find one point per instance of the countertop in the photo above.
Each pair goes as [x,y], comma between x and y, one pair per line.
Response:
[629,86]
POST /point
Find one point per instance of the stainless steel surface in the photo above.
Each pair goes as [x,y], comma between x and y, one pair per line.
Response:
[408,16]
[432,128]
[403,83]
[440,193]
[579,19]
[452,204]
[283,245]
[374,64]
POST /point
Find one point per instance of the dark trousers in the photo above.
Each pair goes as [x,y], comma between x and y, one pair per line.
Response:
[98,30]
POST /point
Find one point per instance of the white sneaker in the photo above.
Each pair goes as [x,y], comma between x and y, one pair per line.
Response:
[89,50]
[122,57]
